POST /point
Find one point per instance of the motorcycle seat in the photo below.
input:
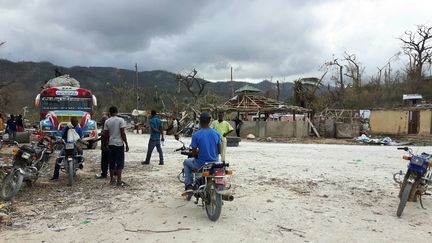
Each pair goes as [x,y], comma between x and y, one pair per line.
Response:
[28,149]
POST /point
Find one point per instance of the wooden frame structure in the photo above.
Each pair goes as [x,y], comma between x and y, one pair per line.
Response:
[254,103]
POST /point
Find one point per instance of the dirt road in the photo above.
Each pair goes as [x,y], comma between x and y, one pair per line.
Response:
[283,193]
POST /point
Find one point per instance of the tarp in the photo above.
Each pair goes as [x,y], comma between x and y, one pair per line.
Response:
[64,80]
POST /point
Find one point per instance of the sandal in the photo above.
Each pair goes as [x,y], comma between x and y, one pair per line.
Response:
[122,184]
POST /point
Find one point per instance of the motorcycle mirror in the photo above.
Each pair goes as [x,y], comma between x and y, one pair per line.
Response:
[177,137]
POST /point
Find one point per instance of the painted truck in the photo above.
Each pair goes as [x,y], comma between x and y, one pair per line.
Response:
[58,103]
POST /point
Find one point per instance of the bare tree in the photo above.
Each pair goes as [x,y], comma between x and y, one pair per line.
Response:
[418,47]
[195,86]
[354,69]
[339,82]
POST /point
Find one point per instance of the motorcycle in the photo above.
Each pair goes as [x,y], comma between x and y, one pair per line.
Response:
[28,161]
[210,184]
[71,161]
[416,180]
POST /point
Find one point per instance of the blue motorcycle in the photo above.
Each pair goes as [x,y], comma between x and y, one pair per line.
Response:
[415,180]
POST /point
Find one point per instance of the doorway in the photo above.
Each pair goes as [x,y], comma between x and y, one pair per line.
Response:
[413,122]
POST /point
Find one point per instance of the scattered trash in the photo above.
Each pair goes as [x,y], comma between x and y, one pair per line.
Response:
[269,139]
[155,169]
[250,136]
[56,228]
[85,221]
[383,141]
[2,205]
[60,190]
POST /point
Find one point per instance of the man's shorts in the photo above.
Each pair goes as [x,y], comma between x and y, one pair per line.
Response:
[116,157]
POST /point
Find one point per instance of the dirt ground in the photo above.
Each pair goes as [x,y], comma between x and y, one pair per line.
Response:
[283,193]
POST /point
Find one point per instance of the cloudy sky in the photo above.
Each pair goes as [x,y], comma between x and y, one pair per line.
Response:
[284,39]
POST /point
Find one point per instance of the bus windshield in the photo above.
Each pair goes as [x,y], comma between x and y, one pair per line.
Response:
[66,103]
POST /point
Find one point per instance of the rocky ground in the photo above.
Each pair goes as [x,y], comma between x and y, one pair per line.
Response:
[283,193]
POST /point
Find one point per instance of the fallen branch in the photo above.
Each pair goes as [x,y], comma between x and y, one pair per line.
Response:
[290,230]
[152,231]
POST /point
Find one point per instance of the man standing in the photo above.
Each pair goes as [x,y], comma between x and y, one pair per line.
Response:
[223,128]
[175,125]
[238,123]
[156,136]
[104,151]
[115,137]
[206,146]
[11,128]
[74,125]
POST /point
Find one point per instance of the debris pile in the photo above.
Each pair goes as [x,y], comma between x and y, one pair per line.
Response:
[378,141]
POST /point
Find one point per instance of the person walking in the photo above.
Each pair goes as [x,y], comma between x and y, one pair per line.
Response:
[115,137]
[223,128]
[238,123]
[156,136]
[104,151]
[175,124]
[11,128]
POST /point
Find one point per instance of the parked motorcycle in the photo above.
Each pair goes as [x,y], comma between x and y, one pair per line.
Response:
[416,180]
[27,163]
[210,184]
[71,161]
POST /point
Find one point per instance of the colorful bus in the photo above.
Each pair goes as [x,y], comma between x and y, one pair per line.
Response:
[57,105]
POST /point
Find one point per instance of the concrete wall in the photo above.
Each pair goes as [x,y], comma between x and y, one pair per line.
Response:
[346,130]
[425,122]
[389,122]
[275,129]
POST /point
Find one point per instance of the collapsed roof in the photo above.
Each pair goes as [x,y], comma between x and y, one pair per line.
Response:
[255,103]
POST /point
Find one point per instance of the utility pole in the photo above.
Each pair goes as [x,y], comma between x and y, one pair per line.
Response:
[136,85]
[231,84]
[278,90]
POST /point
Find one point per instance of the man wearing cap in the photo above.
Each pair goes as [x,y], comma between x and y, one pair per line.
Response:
[206,147]
[223,128]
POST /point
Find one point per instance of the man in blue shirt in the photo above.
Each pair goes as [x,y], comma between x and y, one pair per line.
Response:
[77,128]
[206,147]
[156,132]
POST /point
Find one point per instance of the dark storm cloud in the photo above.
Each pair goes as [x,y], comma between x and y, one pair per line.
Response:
[257,38]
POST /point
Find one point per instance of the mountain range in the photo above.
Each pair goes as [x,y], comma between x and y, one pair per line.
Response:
[27,78]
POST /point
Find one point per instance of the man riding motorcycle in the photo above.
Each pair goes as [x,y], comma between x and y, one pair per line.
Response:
[73,125]
[206,147]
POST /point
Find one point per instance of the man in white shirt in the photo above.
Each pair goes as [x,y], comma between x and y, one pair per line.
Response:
[115,137]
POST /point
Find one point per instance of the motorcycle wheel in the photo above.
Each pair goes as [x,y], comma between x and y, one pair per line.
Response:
[71,172]
[407,175]
[11,184]
[406,192]
[180,176]
[214,203]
